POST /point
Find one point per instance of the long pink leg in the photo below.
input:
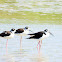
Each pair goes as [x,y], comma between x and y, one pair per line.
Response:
[6,46]
[6,43]
[21,41]
[41,42]
[38,44]
[39,47]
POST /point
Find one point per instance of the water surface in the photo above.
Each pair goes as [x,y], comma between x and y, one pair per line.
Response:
[51,50]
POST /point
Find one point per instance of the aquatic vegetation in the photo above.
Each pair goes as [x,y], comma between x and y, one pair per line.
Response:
[30,12]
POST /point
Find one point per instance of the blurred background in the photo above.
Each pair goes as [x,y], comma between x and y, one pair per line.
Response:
[31,11]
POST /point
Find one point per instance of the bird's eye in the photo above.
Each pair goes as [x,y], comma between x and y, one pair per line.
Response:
[45,30]
[26,27]
[12,29]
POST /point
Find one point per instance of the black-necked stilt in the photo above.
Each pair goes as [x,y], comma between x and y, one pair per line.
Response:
[7,35]
[22,32]
[40,36]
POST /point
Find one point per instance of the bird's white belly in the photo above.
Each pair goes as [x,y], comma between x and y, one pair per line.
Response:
[9,37]
[26,32]
[44,36]
[23,34]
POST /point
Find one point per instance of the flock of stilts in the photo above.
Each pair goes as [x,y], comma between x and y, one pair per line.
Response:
[26,31]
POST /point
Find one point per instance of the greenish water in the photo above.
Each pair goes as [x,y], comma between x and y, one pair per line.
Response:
[31,12]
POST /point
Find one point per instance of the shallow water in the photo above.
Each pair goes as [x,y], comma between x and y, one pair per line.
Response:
[38,15]
[51,50]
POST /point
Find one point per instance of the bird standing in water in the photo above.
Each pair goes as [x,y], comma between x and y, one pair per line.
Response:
[22,32]
[40,36]
[7,35]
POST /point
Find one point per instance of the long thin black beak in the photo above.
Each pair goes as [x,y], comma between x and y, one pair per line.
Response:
[51,33]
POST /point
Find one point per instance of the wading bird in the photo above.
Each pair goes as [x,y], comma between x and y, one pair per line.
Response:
[22,32]
[7,35]
[40,36]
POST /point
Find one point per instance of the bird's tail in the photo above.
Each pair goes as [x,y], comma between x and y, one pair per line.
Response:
[30,34]
[28,38]
[0,34]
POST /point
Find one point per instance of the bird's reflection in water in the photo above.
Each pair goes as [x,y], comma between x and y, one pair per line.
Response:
[38,58]
[23,56]
[8,58]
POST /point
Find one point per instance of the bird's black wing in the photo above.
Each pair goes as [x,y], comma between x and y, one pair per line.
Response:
[36,35]
[19,30]
[5,33]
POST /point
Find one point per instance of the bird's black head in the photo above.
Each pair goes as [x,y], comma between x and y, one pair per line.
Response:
[12,29]
[26,27]
[46,30]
